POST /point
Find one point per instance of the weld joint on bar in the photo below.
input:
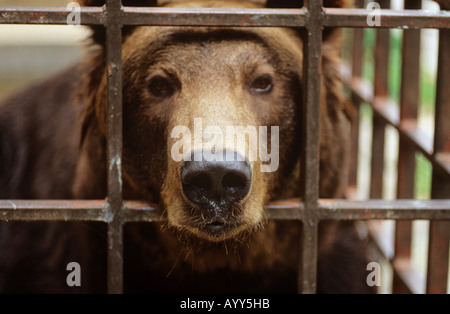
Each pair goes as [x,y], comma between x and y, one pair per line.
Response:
[109,213]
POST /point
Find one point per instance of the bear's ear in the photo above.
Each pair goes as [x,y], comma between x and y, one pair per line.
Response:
[98,32]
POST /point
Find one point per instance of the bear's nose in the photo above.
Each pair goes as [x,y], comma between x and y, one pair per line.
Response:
[216,183]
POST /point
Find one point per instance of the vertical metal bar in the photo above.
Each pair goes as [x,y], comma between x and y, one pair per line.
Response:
[382,47]
[377,163]
[357,57]
[358,51]
[409,95]
[114,145]
[310,142]
[438,252]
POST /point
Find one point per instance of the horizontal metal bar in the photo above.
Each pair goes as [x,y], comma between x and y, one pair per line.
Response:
[227,17]
[292,209]
[139,211]
[384,209]
[405,19]
[214,17]
[61,210]
[49,15]
[160,16]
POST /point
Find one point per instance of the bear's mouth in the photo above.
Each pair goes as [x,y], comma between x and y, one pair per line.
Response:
[215,229]
[215,226]
[218,231]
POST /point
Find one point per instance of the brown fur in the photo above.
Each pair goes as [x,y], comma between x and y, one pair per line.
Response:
[65,158]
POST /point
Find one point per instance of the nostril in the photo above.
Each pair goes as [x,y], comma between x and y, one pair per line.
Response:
[201,181]
[234,180]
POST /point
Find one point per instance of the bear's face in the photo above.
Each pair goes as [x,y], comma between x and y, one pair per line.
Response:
[212,124]
[185,91]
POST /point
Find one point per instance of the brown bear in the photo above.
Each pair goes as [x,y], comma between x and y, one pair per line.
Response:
[178,81]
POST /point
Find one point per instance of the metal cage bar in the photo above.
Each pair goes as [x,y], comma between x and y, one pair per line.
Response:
[292,209]
[409,96]
[438,249]
[382,45]
[227,17]
[312,46]
[385,110]
[114,146]
[357,66]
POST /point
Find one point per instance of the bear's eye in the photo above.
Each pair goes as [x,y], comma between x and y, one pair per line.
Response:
[262,84]
[161,87]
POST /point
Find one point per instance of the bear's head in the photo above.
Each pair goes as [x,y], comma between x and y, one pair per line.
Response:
[212,120]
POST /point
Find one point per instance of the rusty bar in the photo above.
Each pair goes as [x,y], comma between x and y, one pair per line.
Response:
[362,210]
[139,211]
[357,62]
[406,19]
[383,209]
[382,47]
[226,17]
[354,152]
[402,242]
[309,189]
[380,91]
[442,125]
[357,47]
[409,95]
[377,161]
[288,209]
[114,146]
[53,210]
[49,15]
[214,17]
[438,250]
[384,109]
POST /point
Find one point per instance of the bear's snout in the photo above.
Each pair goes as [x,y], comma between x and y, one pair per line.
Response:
[216,186]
